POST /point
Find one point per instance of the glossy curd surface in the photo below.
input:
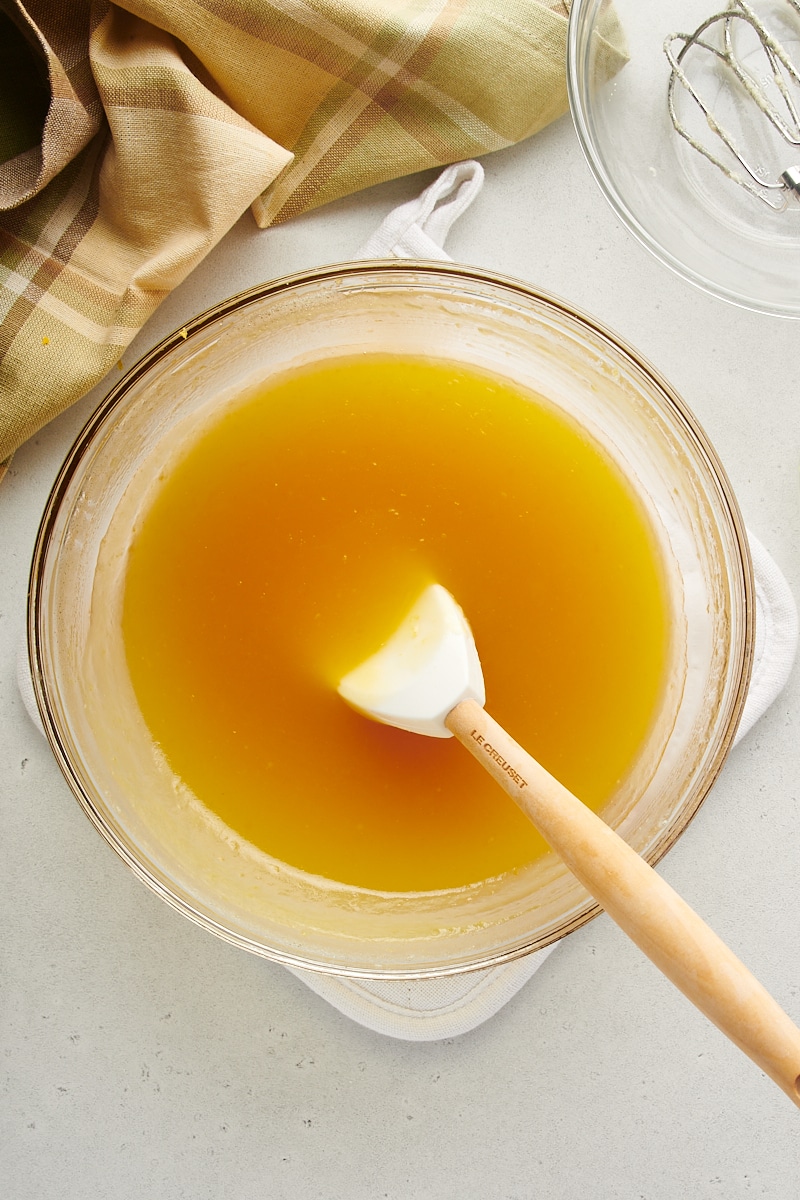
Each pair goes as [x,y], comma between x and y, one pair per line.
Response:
[290,540]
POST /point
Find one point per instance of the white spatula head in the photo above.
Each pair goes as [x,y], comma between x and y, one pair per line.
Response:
[427,667]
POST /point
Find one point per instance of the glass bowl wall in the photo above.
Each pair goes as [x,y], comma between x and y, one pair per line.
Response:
[86,699]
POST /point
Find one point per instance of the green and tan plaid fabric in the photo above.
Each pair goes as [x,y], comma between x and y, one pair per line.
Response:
[134,135]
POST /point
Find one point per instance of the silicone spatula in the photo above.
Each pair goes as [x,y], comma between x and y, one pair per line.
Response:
[427,679]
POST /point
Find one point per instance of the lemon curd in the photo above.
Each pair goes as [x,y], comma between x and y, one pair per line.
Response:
[289,541]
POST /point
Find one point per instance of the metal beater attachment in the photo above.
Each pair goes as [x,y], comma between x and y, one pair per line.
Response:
[712,58]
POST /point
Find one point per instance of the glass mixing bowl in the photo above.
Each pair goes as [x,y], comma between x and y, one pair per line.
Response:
[77,656]
[682,207]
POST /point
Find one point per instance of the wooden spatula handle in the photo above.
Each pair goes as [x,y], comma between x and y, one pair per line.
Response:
[668,931]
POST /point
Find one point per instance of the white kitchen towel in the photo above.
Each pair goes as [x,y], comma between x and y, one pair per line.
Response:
[418,229]
[434,1009]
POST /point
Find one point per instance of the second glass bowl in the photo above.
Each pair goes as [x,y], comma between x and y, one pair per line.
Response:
[670,196]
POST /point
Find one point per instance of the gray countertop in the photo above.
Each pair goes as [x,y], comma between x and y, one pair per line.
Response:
[144,1057]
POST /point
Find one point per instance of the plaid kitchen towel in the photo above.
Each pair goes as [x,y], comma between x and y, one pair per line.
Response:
[133,135]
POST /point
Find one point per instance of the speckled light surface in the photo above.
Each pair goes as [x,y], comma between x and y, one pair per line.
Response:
[143,1057]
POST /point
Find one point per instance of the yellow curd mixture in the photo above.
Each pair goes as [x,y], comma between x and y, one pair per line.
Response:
[289,542]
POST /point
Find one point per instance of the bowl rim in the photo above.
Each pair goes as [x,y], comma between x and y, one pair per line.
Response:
[240,301]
